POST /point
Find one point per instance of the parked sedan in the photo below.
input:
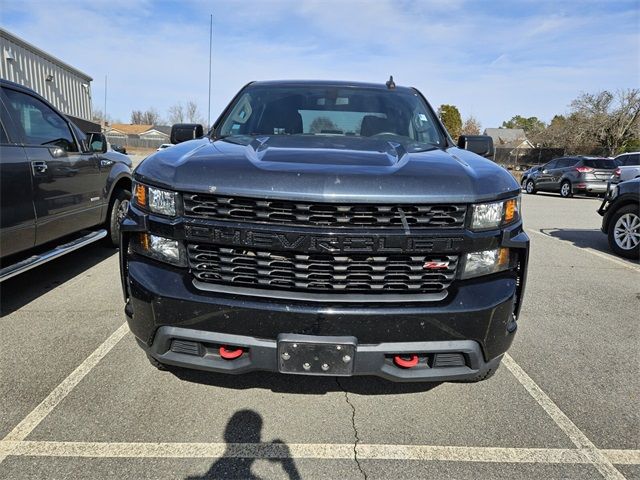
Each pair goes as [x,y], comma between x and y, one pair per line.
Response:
[569,175]
[621,218]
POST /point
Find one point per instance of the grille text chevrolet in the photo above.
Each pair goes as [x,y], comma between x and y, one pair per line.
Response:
[325,228]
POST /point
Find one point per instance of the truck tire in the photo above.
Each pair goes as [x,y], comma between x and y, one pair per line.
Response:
[117,210]
[622,233]
[159,365]
[565,189]
[482,376]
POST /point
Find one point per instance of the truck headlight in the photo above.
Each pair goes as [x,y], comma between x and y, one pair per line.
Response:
[155,200]
[160,248]
[486,216]
[486,262]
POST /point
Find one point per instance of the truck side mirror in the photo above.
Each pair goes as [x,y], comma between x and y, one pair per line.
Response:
[97,142]
[479,144]
[182,132]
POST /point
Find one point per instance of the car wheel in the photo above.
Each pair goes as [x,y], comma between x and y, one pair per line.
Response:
[565,189]
[530,187]
[118,210]
[624,232]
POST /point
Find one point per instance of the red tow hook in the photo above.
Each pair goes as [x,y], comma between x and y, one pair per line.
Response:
[230,354]
[406,361]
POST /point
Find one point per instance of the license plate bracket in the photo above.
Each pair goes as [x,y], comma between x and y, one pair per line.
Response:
[315,355]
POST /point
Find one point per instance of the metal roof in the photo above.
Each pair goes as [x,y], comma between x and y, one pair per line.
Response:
[41,53]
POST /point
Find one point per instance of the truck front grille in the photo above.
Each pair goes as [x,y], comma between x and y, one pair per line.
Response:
[321,272]
[284,212]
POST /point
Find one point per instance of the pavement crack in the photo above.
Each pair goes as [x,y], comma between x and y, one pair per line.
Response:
[355,429]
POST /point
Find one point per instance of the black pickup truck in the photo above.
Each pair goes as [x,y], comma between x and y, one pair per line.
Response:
[60,187]
[325,228]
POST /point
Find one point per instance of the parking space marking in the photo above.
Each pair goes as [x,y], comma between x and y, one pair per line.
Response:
[31,421]
[577,436]
[588,250]
[310,451]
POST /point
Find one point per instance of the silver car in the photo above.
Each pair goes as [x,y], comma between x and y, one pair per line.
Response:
[569,175]
[628,167]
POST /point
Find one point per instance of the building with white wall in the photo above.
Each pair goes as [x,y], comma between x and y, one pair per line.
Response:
[64,86]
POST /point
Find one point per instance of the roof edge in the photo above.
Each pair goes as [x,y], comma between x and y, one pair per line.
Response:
[38,51]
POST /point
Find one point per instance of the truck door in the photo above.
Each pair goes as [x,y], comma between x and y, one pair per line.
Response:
[67,190]
[17,215]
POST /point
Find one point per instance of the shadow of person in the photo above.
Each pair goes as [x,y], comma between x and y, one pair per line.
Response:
[243,438]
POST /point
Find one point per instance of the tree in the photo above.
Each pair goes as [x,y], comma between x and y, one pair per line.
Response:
[176,113]
[532,126]
[98,116]
[450,116]
[471,126]
[190,113]
[193,114]
[148,117]
[610,119]
[321,123]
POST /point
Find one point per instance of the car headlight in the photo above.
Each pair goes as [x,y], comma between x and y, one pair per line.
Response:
[486,262]
[486,216]
[155,200]
[613,193]
[160,248]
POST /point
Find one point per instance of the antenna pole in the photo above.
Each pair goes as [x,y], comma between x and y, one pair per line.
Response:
[210,48]
[104,119]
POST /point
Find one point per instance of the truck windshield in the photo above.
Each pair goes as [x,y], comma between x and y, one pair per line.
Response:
[395,115]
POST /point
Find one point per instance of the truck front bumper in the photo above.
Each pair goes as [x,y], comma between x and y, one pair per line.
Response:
[437,361]
[460,338]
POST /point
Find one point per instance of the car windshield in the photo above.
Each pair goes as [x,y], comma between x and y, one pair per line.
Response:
[600,163]
[395,115]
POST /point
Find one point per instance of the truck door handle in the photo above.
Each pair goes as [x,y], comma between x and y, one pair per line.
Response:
[39,167]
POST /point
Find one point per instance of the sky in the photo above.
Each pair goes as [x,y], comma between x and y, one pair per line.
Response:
[492,59]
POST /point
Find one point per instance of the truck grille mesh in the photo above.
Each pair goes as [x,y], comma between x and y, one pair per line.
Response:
[285,212]
[320,272]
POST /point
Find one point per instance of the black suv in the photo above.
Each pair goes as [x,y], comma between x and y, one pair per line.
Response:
[621,218]
[569,175]
[61,188]
[325,228]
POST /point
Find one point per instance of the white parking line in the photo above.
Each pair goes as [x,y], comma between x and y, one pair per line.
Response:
[31,421]
[310,451]
[579,439]
[588,250]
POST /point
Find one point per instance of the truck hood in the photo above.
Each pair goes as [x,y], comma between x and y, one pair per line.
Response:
[327,169]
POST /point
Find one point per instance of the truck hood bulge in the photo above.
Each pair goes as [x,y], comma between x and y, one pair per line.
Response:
[327,169]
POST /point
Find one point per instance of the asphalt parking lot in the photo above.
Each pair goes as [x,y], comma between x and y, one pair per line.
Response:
[78,398]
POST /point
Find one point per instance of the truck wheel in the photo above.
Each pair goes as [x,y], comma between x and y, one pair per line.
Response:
[159,365]
[530,187]
[117,211]
[624,232]
[565,189]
